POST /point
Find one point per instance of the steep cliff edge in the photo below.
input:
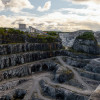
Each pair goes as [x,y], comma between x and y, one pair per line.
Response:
[86,43]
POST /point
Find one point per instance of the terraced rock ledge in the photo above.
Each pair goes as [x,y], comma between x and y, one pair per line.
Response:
[37,70]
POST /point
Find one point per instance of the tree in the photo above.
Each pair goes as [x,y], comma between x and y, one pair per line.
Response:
[2,31]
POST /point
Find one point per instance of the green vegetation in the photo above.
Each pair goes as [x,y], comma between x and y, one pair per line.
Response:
[70,49]
[46,38]
[13,31]
[52,33]
[87,36]
[69,74]
[4,31]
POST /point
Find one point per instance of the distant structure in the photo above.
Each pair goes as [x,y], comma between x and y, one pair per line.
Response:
[30,29]
[22,27]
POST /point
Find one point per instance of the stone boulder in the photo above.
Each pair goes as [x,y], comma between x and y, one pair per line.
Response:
[63,76]
[19,94]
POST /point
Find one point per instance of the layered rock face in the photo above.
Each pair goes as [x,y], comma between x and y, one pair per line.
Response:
[60,93]
[16,54]
[86,45]
[27,69]
[26,47]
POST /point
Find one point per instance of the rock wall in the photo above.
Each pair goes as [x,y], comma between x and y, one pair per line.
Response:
[27,69]
[59,93]
[76,62]
[21,58]
[90,75]
[86,46]
[68,38]
[25,47]
[93,66]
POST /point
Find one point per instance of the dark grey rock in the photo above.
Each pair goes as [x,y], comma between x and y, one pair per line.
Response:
[60,93]
[35,98]
[26,47]
[64,76]
[86,46]
[6,97]
[19,94]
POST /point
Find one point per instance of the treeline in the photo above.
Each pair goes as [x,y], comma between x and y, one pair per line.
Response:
[12,35]
[5,31]
[52,33]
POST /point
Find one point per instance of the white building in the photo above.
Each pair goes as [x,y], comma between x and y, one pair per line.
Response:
[30,29]
[22,27]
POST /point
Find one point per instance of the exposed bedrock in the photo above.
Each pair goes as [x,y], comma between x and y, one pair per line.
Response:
[11,84]
[76,62]
[25,47]
[59,93]
[93,66]
[88,65]
[19,94]
[17,59]
[64,76]
[21,58]
[79,55]
[28,69]
[6,97]
[35,98]
[89,75]
[86,46]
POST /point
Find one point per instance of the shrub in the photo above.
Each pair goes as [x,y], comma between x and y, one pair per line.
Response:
[46,38]
[87,36]
[13,31]
[52,33]
[2,31]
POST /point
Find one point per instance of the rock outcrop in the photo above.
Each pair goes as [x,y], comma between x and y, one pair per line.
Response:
[26,47]
[93,66]
[86,43]
[60,93]
[19,94]
[27,69]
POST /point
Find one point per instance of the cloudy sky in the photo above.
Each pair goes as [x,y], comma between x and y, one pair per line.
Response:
[60,15]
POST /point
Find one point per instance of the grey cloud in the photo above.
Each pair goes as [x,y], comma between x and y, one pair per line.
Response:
[95,1]
[17,5]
